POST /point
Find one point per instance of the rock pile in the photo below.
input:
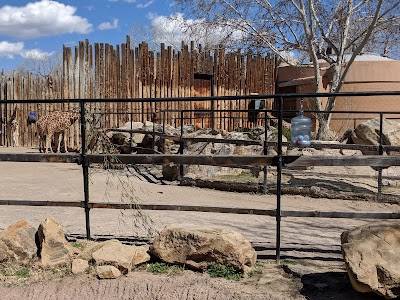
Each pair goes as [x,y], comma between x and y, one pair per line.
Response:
[176,244]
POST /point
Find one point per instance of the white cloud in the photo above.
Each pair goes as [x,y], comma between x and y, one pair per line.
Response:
[109,25]
[36,54]
[9,50]
[41,18]
[145,4]
[174,29]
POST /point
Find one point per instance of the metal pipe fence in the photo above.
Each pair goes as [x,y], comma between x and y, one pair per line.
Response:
[279,160]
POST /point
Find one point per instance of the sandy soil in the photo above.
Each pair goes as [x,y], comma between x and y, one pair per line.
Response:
[309,244]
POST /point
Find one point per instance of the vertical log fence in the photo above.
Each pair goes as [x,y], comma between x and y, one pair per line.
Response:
[102,71]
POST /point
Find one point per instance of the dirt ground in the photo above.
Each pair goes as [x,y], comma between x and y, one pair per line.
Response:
[311,265]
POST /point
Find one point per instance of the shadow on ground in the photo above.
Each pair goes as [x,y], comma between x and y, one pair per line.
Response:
[332,285]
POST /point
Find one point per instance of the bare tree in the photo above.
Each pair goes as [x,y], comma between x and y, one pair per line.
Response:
[174,29]
[41,65]
[330,34]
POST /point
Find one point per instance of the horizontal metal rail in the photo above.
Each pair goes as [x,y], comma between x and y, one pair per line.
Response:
[316,145]
[265,96]
[209,160]
[212,209]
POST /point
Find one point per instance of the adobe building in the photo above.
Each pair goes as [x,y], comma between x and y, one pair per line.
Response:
[369,72]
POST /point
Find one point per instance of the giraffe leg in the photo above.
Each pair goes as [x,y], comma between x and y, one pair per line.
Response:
[8,136]
[48,141]
[42,140]
[59,142]
[16,137]
[65,143]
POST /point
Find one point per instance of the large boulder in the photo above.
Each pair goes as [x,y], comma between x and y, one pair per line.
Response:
[150,126]
[368,133]
[120,138]
[18,242]
[209,148]
[54,248]
[198,247]
[133,125]
[372,257]
[153,142]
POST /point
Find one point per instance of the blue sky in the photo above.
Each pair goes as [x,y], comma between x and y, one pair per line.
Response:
[38,28]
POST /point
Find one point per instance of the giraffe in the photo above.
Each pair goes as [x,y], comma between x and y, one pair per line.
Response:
[41,131]
[53,125]
[13,133]
[12,129]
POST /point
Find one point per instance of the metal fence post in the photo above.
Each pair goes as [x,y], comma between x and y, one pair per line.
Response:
[163,121]
[265,152]
[181,147]
[278,183]
[380,153]
[131,126]
[85,168]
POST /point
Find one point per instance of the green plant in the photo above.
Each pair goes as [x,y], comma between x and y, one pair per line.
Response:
[163,268]
[289,262]
[258,269]
[227,272]
[286,262]
[286,132]
[61,270]
[23,272]
[254,134]
[78,245]
[158,268]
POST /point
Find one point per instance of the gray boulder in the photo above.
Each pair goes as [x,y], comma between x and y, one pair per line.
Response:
[372,257]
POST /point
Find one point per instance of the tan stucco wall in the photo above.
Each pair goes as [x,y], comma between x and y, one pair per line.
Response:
[363,76]
[374,71]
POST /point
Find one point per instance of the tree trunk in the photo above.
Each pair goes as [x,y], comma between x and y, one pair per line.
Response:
[324,132]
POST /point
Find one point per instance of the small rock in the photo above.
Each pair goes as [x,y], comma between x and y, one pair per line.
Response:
[141,255]
[108,272]
[120,255]
[79,266]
